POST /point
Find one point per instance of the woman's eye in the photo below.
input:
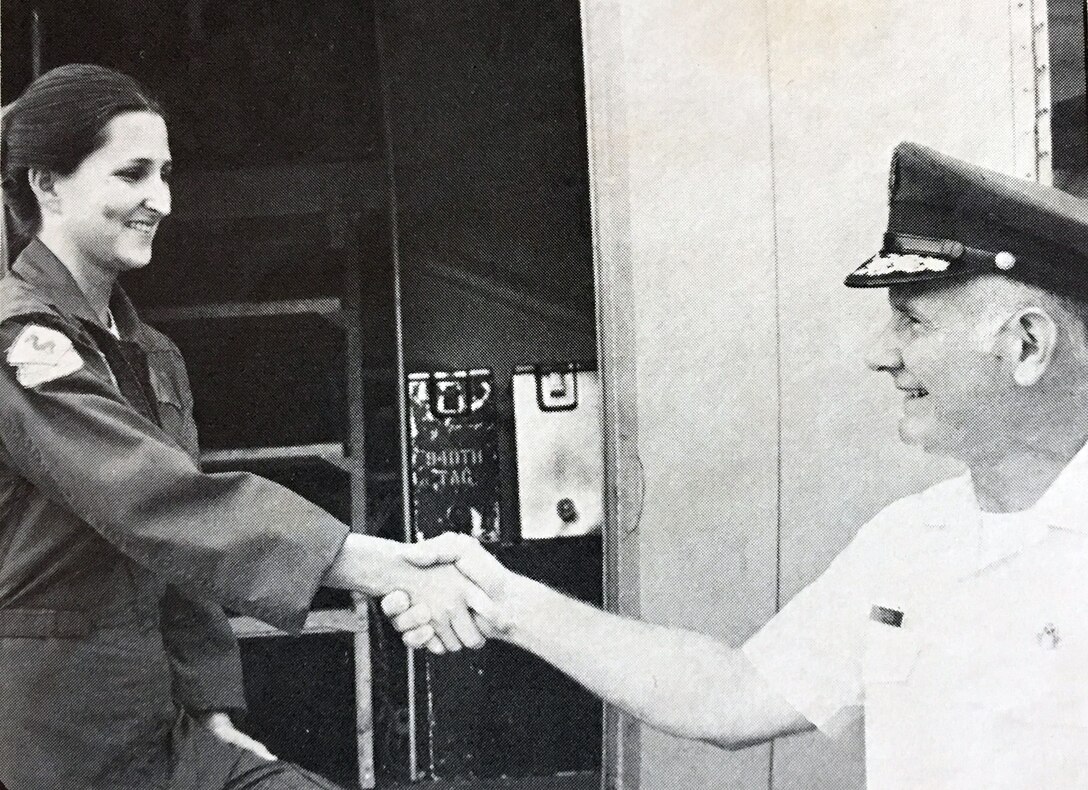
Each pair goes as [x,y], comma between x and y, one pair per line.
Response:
[130,175]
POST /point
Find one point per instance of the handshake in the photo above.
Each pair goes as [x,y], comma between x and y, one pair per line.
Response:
[449,592]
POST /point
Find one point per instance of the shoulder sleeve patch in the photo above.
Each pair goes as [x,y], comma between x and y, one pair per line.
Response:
[40,354]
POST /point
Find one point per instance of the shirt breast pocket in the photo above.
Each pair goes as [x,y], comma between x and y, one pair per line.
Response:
[175,409]
[890,654]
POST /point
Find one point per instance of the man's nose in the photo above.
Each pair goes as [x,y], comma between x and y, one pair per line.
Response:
[884,352]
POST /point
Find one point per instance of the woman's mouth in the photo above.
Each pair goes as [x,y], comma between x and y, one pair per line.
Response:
[914,394]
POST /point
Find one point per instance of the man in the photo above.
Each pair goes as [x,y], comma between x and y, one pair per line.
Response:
[956,617]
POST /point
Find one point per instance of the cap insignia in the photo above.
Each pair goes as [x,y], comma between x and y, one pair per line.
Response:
[901,264]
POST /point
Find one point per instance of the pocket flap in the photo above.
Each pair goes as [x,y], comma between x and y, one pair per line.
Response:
[166,391]
[44,624]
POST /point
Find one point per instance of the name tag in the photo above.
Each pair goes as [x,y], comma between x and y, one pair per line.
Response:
[887,616]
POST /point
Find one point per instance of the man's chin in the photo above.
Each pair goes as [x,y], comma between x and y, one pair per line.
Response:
[914,434]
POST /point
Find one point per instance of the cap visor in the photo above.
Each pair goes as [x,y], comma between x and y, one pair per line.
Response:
[886,269]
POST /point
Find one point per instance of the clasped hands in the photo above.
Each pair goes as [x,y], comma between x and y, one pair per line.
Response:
[458,597]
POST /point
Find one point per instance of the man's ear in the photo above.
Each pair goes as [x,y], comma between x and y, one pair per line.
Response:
[1033,337]
[43,183]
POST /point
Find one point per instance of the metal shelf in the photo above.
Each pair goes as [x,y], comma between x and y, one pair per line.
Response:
[326,621]
[325,307]
[330,452]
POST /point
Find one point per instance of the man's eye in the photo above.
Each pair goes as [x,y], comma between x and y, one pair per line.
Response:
[909,322]
[130,175]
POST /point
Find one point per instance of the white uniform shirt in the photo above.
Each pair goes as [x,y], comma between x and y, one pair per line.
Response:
[984,681]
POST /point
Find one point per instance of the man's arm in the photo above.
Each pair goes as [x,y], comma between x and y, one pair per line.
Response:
[674,680]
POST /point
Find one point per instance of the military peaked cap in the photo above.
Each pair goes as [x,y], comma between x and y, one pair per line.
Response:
[949,218]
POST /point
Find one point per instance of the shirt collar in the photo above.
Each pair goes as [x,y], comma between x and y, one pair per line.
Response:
[37,265]
[1065,503]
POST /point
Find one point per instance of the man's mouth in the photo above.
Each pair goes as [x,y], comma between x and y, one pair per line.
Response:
[142,226]
[913,394]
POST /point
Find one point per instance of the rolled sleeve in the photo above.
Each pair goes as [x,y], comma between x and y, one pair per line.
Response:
[237,539]
[811,651]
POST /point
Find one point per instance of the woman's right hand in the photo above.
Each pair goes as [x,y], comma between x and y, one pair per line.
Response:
[413,618]
[379,567]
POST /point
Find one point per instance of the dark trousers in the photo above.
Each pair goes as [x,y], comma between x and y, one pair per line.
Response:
[253,773]
[203,762]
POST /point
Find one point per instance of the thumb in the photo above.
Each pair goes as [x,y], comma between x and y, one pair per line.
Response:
[483,607]
[479,567]
[490,628]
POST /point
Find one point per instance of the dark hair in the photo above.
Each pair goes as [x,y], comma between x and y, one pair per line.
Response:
[58,122]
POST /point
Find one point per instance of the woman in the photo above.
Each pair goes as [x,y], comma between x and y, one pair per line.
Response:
[118,668]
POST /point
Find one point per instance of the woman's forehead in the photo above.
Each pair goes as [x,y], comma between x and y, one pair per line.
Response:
[135,135]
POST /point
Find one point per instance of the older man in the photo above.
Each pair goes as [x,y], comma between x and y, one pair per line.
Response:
[957,616]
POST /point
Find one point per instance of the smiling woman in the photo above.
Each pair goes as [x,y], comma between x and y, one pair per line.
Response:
[119,667]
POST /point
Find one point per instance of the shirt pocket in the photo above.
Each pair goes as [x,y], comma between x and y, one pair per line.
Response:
[890,654]
[174,405]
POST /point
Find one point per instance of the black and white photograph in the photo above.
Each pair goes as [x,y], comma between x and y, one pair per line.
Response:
[554,395]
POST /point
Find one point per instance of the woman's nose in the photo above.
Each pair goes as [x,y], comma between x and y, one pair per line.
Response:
[158,197]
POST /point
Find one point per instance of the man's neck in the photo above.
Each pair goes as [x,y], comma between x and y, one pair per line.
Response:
[1017,480]
[95,282]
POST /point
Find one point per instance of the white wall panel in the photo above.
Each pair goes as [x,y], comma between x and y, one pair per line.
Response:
[704,272]
[849,81]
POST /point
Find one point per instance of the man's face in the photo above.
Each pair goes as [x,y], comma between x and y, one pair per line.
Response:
[939,350]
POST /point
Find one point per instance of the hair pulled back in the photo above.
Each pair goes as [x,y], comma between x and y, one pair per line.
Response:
[58,122]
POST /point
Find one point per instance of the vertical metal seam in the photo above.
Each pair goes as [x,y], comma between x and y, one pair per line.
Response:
[36,43]
[613,266]
[776,280]
[356,455]
[401,368]
[1040,58]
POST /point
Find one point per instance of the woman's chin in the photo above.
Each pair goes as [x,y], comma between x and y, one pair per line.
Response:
[131,261]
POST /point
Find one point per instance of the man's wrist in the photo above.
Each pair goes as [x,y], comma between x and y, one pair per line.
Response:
[520,602]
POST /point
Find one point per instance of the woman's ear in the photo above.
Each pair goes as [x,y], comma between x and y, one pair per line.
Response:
[1034,335]
[43,183]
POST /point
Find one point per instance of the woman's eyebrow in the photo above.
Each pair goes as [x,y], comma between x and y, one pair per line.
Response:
[146,161]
